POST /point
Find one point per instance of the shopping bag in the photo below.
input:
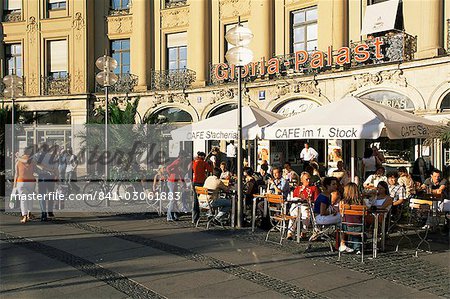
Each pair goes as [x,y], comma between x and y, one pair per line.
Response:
[13,202]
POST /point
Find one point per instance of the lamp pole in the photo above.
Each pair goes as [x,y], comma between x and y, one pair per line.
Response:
[14,88]
[106,78]
[240,55]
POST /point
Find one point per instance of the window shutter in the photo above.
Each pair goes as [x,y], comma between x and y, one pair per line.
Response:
[58,55]
[13,4]
[177,39]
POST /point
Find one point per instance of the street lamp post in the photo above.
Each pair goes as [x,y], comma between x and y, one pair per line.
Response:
[240,55]
[14,89]
[106,78]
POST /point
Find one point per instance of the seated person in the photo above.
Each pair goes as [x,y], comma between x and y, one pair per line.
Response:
[225,175]
[307,192]
[396,191]
[438,187]
[264,174]
[383,200]
[351,196]
[372,181]
[325,214]
[215,185]
[406,181]
[250,187]
[290,175]
[341,174]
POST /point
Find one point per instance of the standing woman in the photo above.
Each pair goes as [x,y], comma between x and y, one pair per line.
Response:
[25,182]
[174,170]
[369,163]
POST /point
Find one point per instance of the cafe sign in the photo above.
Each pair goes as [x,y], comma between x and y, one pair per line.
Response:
[302,61]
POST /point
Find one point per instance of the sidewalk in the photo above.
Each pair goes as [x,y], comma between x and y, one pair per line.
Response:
[86,256]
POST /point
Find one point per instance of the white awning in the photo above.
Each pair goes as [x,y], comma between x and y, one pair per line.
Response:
[58,55]
[380,17]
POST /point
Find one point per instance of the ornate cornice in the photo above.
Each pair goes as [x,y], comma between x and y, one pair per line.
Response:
[120,24]
[176,17]
[394,77]
[234,8]
[227,94]
[167,98]
[298,87]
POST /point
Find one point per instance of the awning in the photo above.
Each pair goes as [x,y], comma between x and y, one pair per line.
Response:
[380,17]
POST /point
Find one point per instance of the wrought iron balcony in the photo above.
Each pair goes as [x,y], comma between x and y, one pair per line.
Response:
[172,79]
[397,46]
[21,88]
[55,86]
[125,84]
[118,11]
[174,3]
[12,16]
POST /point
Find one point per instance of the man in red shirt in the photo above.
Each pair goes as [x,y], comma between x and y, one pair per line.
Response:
[200,169]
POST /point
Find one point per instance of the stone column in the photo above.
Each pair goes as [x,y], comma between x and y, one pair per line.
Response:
[198,51]
[339,25]
[260,23]
[140,43]
[429,41]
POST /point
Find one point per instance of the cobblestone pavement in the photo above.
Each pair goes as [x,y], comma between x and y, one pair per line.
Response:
[402,268]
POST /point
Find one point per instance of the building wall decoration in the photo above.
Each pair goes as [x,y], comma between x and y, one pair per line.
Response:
[78,25]
[120,24]
[299,87]
[234,8]
[78,81]
[394,77]
[32,84]
[227,94]
[181,98]
[177,17]
[32,29]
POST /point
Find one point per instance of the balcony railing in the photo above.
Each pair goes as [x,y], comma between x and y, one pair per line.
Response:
[397,46]
[118,11]
[12,16]
[172,79]
[448,36]
[174,3]
[125,84]
[55,86]
[22,88]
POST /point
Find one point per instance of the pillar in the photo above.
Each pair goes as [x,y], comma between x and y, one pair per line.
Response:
[339,23]
[260,23]
[198,52]
[140,43]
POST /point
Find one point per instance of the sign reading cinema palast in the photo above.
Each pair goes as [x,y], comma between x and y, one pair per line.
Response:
[303,59]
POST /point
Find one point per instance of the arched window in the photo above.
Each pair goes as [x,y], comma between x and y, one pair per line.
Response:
[170,115]
[222,109]
[391,99]
[445,104]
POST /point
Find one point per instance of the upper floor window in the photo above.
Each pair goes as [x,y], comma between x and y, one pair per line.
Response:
[14,59]
[176,51]
[228,46]
[120,4]
[57,59]
[304,29]
[120,50]
[10,6]
[56,4]
[445,104]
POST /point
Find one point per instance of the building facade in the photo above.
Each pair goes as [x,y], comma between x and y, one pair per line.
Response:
[171,53]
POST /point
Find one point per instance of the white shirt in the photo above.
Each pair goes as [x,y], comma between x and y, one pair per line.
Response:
[308,154]
[370,164]
[231,151]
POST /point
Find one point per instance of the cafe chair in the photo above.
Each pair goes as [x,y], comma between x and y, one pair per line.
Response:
[419,210]
[321,231]
[207,212]
[350,215]
[278,216]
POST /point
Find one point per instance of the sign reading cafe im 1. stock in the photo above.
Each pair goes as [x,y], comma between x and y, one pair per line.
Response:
[303,61]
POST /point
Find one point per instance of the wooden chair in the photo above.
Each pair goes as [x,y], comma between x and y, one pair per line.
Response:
[278,217]
[419,210]
[350,214]
[206,210]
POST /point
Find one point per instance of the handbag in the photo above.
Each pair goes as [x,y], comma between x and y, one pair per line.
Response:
[13,198]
